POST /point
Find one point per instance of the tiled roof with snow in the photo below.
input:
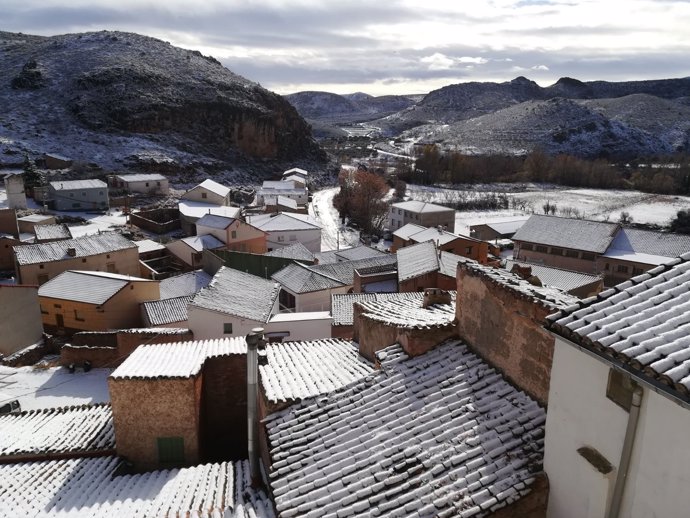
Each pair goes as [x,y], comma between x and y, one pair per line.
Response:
[238,293]
[196,209]
[408,230]
[295,251]
[504,227]
[300,278]
[166,311]
[565,280]
[91,487]
[176,360]
[85,428]
[58,231]
[296,170]
[184,284]
[576,234]
[36,218]
[417,260]
[436,435]
[420,207]
[69,185]
[205,242]
[440,237]
[409,313]
[299,370]
[548,296]
[152,177]
[643,323]
[84,246]
[342,304]
[358,252]
[214,221]
[344,271]
[283,221]
[286,202]
[648,246]
[327,257]
[149,245]
[214,187]
[86,286]
[448,263]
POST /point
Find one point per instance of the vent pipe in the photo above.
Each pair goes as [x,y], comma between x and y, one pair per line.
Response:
[253,340]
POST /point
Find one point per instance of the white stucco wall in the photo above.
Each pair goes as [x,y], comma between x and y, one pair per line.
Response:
[310,238]
[301,326]
[580,414]
[207,324]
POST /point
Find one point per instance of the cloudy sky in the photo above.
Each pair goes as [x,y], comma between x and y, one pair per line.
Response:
[394,46]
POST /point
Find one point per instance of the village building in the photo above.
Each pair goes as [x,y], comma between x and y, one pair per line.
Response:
[107,252]
[270,191]
[189,249]
[290,327]
[210,192]
[188,283]
[284,229]
[421,213]
[446,241]
[234,233]
[94,301]
[497,230]
[56,161]
[141,183]
[296,171]
[232,304]
[26,224]
[7,244]
[354,253]
[49,233]
[14,189]
[191,211]
[175,294]
[417,267]
[619,405]
[581,285]
[78,195]
[342,309]
[20,315]
[296,251]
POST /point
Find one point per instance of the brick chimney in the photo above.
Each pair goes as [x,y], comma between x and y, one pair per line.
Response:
[72,252]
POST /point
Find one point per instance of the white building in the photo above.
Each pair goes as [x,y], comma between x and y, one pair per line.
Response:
[271,190]
[284,229]
[190,249]
[142,183]
[619,405]
[209,191]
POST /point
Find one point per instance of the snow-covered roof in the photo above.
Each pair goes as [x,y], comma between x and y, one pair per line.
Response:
[440,237]
[417,260]
[295,178]
[205,242]
[409,313]
[166,311]
[428,436]
[566,280]
[214,221]
[301,316]
[448,263]
[196,209]
[152,177]
[270,187]
[238,293]
[284,201]
[297,171]
[299,370]
[549,296]
[326,257]
[85,428]
[71,185]
[300,278]
[184,284]
[504,227]
[647,246]
[295,251]
[176,360]
[86,286]
[214,187]
[84,246]
[36,218]
[344,271]
[92,487]
[281,221]
[358,252]
[576,234]
[149,245]
[420,207]
[342,304]
[642,323]
[57,231]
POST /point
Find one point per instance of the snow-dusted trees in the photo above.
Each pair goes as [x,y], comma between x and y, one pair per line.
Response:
[361,199]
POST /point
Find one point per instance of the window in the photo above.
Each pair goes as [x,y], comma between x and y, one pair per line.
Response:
[233,234]
[170,451]
[293,237]
[83,193]
[76,205]
[556,251]
[281,239]
[41,266]
[286,300]
[158,184]
[147,184]
[203,195]
[588,256]
[468,250]
[620,389]
[58,306]
[542,249]
[83,259]
[622,268]
[71,195]
[78,316]
[227,328]
[100,193]
[527,246]
[43,311]
[606,267]
[399,212]
[572,253]
[43,278]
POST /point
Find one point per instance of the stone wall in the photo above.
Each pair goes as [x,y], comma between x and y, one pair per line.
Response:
[505,328]
[159,221]
[99,357]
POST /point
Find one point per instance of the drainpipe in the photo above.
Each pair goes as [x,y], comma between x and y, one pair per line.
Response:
[626,454]
[253,339]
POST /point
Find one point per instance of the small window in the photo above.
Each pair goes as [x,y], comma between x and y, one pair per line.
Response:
[158,184]
[76,205]
[588,256]
[556,251]
[622,268]
[606,267]
[78,316]
[147,184]
[527,246]
[468,250]
[83,260]
[281,238]
[83,193]
[43,311]
[233,234]
[100,193]
[203,195]
[399,212]
[58,306]
[227,328]
[110,268]
[41,266]
[572,253]
[620,389]
[71,195]
[542,249]
[170,451]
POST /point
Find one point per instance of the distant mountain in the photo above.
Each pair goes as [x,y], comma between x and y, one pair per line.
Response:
[122,100]
[596,118]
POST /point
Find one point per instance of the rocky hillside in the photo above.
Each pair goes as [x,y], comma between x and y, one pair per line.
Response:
[121,100]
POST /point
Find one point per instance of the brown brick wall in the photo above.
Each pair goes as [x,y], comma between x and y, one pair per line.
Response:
[127,342]
[418,341]
[506,329]
[419,283]
[98,356]
[344,332]
[371,335]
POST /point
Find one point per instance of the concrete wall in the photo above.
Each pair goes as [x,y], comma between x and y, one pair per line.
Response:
[204,195]
[159,221]
[124,262]
[310,238]
[144,410]
[506,329]
[579,264]
[207,324]
[20,318]
[149,187]
[317,300]
[7,253]
[580,414]
[79,199]
[301,326]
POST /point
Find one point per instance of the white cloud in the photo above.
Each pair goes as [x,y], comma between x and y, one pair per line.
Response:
[540,67]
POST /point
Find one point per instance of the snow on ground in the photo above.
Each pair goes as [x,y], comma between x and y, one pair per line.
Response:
[37,387]
[333,232]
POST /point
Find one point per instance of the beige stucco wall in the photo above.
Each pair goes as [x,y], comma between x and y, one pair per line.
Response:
[317,300]
[144,410]
[154,187]
[310,238]
[207,324]
[308,327]
[248,239]
[20,318]
[557,261]
[126,262]
[197,194]
[183,252]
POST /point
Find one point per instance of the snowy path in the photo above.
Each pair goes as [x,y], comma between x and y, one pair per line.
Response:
[333,232]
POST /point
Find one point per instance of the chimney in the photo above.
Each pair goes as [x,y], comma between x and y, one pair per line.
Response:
[253,340]
[72,252]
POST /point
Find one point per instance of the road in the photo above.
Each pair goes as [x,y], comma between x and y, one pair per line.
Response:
[333,232]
